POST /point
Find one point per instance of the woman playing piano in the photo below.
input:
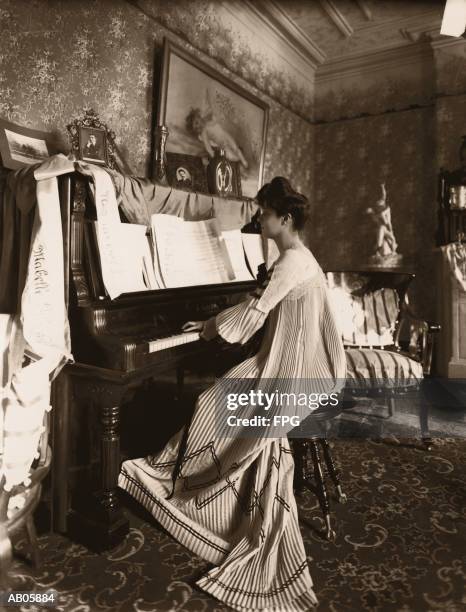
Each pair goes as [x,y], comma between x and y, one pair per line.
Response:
[233,503]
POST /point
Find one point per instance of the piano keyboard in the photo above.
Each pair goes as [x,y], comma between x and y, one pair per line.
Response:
[170,341]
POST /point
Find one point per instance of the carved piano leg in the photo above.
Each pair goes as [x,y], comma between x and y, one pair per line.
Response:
[110,443]
[99,522]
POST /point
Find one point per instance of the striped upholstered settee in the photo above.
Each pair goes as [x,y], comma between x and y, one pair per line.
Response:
[388,348]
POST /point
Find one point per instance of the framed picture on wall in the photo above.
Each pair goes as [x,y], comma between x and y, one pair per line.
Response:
[204,110]
[22,146]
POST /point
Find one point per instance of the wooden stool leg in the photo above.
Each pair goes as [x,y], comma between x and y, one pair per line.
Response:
[391,406]
[424,416]
[334,474]
[33,543]
[6,557]
[298,456]
[321,489]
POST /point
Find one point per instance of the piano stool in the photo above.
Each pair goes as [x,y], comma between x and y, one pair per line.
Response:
[304,441]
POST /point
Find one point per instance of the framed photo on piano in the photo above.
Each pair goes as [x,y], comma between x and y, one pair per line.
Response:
[204,110]
[92,140]
[186,172]
[93,145]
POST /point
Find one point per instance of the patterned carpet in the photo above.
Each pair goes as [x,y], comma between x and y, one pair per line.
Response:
[400,544]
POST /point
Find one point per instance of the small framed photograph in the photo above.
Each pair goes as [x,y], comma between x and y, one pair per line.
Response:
[92,140]
[186,172]
[21,146]
[93,145]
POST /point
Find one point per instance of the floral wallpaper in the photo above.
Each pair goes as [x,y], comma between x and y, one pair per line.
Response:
[102,54]
[451,126]
[451,102]
[210,27]
[352,158]
[395,126]
[395,87]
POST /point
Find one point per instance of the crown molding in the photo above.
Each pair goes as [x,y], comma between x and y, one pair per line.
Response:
[337,18]
[428,30]
[398,23]
[442,42]
[283,27]
[364,62]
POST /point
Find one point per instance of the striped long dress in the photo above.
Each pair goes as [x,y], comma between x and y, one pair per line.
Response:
[233,503]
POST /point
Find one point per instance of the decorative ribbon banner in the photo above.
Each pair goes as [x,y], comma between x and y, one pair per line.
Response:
[45,337]
[115,247]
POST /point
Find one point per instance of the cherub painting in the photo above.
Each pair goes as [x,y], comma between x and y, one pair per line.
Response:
[208,129]
[204,111]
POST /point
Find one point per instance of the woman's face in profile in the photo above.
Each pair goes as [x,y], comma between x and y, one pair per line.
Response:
[271,224]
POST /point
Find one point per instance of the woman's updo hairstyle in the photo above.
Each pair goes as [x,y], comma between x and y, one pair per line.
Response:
[283,199]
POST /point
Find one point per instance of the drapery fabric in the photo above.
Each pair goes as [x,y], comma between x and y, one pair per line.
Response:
[139,198]
[34,329]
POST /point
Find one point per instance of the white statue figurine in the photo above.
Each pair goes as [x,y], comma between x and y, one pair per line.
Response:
[386,244]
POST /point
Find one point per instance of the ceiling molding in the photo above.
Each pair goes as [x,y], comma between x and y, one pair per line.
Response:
[337,18]
[365,9]
[398,23]
[442,41]
[357,63]
[281,25]
[422,31]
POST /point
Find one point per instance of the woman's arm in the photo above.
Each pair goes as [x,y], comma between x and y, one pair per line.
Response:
[239,323]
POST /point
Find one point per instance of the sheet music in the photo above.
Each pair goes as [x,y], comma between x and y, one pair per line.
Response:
[235,250]
[190,252]
[254,252]
[132,239]
[150,278]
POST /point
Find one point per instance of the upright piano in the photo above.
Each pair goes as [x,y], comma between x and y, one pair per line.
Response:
[117,345]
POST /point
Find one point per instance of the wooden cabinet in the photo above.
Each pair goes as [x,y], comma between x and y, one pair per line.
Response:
[451,314]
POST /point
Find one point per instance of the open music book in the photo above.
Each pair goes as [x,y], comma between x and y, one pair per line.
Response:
[190,252]
[179,253]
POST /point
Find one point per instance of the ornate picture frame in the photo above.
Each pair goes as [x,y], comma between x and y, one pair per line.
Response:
[92,140]
[202,109]
[21,146]
[186,172]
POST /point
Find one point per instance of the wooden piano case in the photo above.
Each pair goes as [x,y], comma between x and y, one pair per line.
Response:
[112,364]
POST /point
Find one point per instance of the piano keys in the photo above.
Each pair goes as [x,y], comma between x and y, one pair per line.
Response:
[166,342]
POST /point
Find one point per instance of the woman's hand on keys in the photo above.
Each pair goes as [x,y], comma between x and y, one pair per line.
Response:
[190,326]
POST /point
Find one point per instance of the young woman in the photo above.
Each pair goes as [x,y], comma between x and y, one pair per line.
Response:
[233,503]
